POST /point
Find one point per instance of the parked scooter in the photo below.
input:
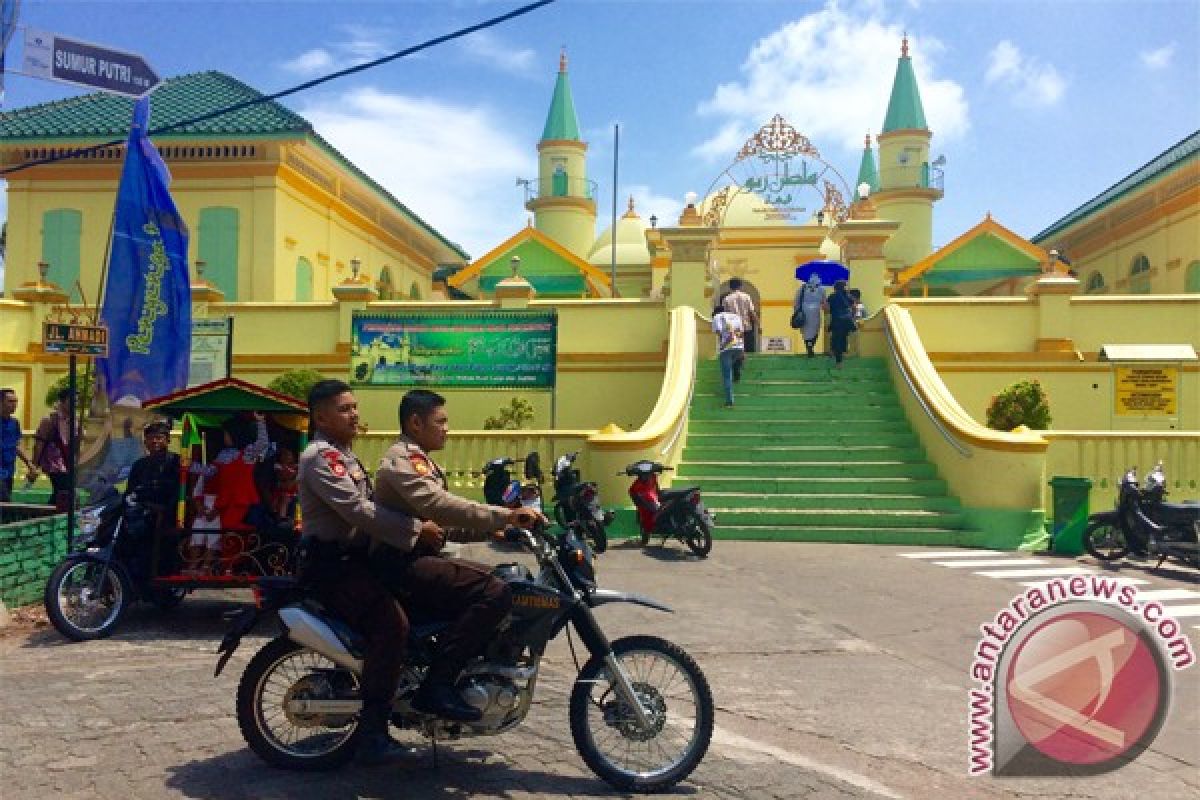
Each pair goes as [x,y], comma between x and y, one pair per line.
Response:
[577,502]
[669,512]
[501,489]
[1143,524]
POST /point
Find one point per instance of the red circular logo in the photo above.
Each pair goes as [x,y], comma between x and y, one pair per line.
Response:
[1084,688]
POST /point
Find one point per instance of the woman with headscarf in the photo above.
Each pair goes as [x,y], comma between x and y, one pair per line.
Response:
[810,298]
[841,321]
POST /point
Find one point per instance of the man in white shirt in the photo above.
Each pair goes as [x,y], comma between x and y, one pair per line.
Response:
[731,347]
[742,304]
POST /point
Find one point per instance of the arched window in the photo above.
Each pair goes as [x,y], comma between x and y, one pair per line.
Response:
[1095,284]
[218,249]
[415,292]
[1192,278]
[1139,274]
[61,229]
[304,280]
[386,286]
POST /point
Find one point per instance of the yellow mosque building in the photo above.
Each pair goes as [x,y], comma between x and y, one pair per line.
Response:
[292,241]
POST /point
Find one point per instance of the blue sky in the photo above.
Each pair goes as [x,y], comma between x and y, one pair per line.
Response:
[1037,106]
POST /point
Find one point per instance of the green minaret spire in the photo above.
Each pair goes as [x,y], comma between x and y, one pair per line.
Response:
[904,108]
[561,122]
[866,170]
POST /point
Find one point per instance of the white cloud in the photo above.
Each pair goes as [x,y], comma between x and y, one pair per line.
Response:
[310,61]
[1032,82]
[358,44]
[489,49]
[1158,59]
[830,73]
[647,203]
[454,166]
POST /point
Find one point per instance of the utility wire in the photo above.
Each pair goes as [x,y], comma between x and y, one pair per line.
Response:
[525,9]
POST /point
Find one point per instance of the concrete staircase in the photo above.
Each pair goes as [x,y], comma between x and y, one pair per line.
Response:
[812,454]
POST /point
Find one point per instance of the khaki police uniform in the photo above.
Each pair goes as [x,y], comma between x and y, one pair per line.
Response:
[432,585]
[340,521]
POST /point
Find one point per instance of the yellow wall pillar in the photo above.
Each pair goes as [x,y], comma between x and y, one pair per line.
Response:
[862,239]
[690,246]
[1052,293]
[351,295]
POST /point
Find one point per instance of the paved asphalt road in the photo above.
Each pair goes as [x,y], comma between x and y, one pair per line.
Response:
[838,671]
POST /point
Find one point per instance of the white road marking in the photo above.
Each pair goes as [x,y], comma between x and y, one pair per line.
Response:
[992,562]
[753,750]
[1033,573]
[1134,581]
[1169,594]
[1182,611]
[952,554]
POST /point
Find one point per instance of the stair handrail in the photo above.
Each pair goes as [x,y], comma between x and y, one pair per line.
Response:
[674,398]
[937,423]
[936,398]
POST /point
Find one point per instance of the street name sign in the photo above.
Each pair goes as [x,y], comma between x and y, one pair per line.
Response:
[58,58]
[79,340]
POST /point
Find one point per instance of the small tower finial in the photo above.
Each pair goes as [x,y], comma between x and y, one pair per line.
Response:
[562,59]
[904,46]
[867,141]
[630,209]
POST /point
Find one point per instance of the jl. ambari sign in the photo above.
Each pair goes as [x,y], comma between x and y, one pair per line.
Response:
[486,349]
[1149,390]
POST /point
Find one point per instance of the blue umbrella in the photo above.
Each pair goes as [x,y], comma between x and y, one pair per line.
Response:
[827,271]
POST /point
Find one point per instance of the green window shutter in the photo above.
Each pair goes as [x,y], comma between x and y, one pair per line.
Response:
[61,230]
[218,249]
[1192,285]
[304,280]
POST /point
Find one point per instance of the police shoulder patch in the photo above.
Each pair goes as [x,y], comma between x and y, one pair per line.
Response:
[420,464]
[336,465]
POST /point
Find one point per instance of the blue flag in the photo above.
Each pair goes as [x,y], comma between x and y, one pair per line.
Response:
[147,297]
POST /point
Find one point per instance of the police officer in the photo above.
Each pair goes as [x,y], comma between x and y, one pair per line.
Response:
[408,479]
[340,522]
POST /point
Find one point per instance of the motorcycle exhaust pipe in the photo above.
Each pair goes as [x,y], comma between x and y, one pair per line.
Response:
[307,629]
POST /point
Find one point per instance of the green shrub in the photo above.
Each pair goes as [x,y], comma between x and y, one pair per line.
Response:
[85,381]
[1023,403]
[511,417]
[296,383]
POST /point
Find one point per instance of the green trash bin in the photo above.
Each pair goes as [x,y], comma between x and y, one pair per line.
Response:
[1070,514]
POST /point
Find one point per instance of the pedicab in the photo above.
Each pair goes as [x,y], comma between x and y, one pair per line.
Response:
[129,552]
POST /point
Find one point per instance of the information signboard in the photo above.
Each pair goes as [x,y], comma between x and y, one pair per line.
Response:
[80,340]
[1146,391]
[485,349]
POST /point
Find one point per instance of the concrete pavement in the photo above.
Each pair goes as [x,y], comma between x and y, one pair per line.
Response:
[838,671]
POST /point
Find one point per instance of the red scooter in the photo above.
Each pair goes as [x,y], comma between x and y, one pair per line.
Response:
[669,512]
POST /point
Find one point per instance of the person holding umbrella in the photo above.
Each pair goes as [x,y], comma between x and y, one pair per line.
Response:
[809,300]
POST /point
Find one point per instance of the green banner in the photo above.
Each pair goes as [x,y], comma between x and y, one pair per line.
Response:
[483,349]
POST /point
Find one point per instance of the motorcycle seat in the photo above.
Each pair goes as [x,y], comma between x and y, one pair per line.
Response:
[674,494]
[1177,513]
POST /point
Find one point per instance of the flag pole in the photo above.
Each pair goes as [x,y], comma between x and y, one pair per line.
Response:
[613,245]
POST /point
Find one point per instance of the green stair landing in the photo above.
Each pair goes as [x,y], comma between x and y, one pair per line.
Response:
[808,453]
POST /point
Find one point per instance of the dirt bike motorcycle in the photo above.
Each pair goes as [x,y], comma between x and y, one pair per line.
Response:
[640,711]
[1143,523]
[577,502]
[669,512]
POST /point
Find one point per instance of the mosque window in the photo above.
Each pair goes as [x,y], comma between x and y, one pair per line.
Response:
[61,230]
[559,181]
[304,280]
[415,292]
[1095,284]
[1192,279]
[1139,274]
[218,248]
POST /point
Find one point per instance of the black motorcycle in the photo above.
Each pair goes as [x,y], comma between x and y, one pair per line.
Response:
[501,489]
[577,502]
[1143,523]
[681,512]
[91,589]
[640,710]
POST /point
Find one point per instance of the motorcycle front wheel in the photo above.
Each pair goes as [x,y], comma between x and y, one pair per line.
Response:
[676,694]
[85,598]
[598,537]
[278,676]
[1105,542]
[698,536]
